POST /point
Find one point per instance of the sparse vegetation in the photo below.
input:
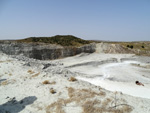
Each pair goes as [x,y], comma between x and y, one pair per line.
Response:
[126,109]
[72,79]
[4,83]
[85,99]
[139,48]
[106,102]
[64,40]
[142,46]
[52,91]
[88,107]
[130,46]
[30,71]
[36,74]
[75,95]
[46,82]
[102,93]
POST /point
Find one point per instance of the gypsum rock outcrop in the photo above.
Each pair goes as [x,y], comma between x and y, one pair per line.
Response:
[43,51]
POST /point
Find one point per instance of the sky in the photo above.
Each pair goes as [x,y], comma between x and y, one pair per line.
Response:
[110,20]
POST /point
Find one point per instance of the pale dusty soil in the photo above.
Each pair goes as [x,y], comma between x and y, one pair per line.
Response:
[23,90]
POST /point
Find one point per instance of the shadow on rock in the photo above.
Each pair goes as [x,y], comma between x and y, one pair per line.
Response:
[14,106]
[1,80]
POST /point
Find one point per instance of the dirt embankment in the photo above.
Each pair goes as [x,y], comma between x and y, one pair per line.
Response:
[137,48]
[111,48]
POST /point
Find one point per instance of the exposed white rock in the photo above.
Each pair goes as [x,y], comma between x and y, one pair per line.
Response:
[22,86]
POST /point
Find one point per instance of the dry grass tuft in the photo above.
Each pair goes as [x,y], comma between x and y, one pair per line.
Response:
[89,107]
[55,107]
[79,95]
[121,109]
[98,107]
[126,109]
[36,74]
[30,71]
[106,102]
[46,82]
[4,83]
[72,79]
[52,91]
[75,95]
[86,99]
[10,74]
[102,93]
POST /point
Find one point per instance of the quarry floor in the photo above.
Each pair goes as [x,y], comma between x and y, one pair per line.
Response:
[85,83]
[113,72]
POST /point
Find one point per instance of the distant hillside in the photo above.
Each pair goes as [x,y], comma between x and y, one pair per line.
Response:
[64,40]
[69,41]
[139,47]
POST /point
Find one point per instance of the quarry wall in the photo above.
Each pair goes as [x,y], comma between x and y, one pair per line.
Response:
[43,51]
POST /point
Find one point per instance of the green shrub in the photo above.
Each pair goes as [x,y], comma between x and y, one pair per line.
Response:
[131,46]
[142,46]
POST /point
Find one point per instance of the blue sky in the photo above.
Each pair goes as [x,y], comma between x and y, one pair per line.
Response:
[114,20]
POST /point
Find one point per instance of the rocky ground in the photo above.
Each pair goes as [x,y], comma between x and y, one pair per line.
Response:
[64,85]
